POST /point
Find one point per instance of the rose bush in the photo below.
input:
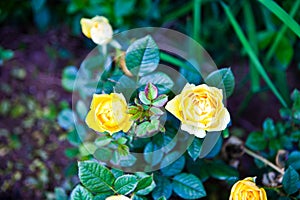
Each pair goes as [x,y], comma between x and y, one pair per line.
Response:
[108,113]
[247,189]
[200,109]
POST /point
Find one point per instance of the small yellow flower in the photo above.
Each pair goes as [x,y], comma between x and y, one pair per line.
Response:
[98,29]
[108,113]
[200,109]
[247,189]
[117,197]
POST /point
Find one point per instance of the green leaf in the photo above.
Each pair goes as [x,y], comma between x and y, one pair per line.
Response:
[294,160]
[143,98]
[65,119]
[165,141]
[95,177]
[117,172]
[290,180]
[80,193]
[188,186]
[60,194]
[141,129]
[222,79]
[103,195]
[103,154]
[162,198]
[269,129]
[151,91]
[125,184]
[256,141]
[68,78]
[156,111]
[151,155]
[87,148]
[163,187]
[122,140]
[103,141]
[145,185]
[194,149]
[136,197]
[81,109]
[160,101]
[133,109]
[128,161]
[142,56]
[221,171]
[161,80]
[175,167]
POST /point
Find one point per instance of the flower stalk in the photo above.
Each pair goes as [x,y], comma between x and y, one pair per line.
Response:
[265,161]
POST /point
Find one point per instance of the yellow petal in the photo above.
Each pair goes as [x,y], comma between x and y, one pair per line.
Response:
[173,107]
[98,99]
[117,197]
[198,132]
[127,125]
[92,122]
[86,26]
[221,121]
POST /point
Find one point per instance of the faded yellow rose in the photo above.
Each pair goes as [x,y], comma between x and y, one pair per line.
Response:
[200,109]
[98,29]
[247,189]
[117,197]
[108,112]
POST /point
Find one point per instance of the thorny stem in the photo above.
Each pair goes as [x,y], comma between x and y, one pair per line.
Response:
[262,159]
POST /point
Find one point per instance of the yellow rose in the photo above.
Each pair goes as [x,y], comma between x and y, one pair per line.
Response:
[108,113]
[247,189]
[98,29]
[117,197]
[200,109]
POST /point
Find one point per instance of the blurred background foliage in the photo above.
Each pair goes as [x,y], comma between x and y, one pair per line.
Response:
[41,42]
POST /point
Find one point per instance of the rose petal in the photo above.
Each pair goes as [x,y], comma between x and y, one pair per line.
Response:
[198,132]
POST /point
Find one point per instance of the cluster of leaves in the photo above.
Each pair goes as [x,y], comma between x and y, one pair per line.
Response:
[99,182]
[150,85]
[275,137]
[148,111]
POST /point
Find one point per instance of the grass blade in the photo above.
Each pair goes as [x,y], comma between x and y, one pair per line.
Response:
[252,55]
[177,62]
[282,15]
[197,20]
[251,32]
[281,33]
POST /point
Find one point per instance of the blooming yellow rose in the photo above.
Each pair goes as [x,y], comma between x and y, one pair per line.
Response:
[247,189]
[200,109]
[108,112]
[98,29]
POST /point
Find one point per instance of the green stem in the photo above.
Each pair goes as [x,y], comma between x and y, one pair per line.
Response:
[265,161]
[252,55]
[281,33]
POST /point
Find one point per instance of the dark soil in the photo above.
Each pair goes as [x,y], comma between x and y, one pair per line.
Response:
[43,57]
